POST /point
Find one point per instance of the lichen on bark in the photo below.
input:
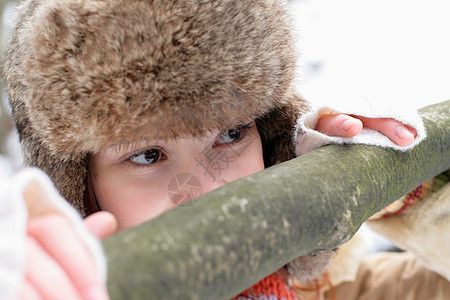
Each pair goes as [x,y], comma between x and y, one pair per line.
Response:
[245,230]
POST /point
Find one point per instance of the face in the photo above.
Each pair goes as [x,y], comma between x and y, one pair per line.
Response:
[137,183]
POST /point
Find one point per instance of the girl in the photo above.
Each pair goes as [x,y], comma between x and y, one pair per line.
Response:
[115,99]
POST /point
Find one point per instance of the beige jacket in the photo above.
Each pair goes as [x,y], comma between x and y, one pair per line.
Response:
[393,276]
[421,272]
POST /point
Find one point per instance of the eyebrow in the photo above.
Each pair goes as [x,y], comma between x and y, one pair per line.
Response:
[133,146]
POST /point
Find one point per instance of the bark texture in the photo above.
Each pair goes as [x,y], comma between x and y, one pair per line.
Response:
[241,232]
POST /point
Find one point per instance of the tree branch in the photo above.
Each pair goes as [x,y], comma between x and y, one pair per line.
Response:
[241,232]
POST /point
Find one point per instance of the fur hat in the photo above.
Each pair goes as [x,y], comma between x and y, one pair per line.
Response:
[87,75]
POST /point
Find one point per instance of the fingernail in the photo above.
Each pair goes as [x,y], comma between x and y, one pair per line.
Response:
[403,133]
[347,124]
[97,293]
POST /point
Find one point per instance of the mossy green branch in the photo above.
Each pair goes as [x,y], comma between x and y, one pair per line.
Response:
[241,232]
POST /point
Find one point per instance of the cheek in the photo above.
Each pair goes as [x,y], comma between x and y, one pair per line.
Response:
[132,200]
[252,159]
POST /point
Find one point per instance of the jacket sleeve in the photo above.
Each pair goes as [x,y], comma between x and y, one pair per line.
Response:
[308,139]
[12,241]
[392,276]
[353,273]
[420,225]
[29,194]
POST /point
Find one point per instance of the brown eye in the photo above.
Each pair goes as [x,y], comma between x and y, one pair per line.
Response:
[146,157]
[229,136]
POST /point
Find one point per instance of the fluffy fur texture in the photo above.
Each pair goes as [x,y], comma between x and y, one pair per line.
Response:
[308,268]
[87,75]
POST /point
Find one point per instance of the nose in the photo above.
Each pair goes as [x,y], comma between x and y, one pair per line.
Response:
[204,176]
[211,171]
[208,183]
[196,174]
[187,185]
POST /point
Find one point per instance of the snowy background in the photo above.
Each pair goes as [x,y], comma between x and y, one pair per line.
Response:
[389,51]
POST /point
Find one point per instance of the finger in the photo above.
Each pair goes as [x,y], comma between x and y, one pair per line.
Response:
[29,291]
[45,277]
[397,132]
[101,224]
[57,236]
[339,125]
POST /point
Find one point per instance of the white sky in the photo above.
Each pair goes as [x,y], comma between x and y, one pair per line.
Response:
[395,51]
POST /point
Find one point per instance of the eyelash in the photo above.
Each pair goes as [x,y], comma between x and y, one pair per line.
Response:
[242,134]
[161,158]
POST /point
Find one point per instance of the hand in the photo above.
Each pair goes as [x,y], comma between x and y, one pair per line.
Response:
[349,126]
[58,262]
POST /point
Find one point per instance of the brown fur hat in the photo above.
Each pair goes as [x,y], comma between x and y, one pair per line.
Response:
[87,75]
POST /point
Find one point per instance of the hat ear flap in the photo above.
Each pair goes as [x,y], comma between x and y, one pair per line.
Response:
[69,177]
[277,129]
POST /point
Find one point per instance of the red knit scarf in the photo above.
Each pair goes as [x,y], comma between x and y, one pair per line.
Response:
[273,287]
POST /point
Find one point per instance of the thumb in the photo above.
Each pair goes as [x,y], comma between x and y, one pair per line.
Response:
[101,224]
